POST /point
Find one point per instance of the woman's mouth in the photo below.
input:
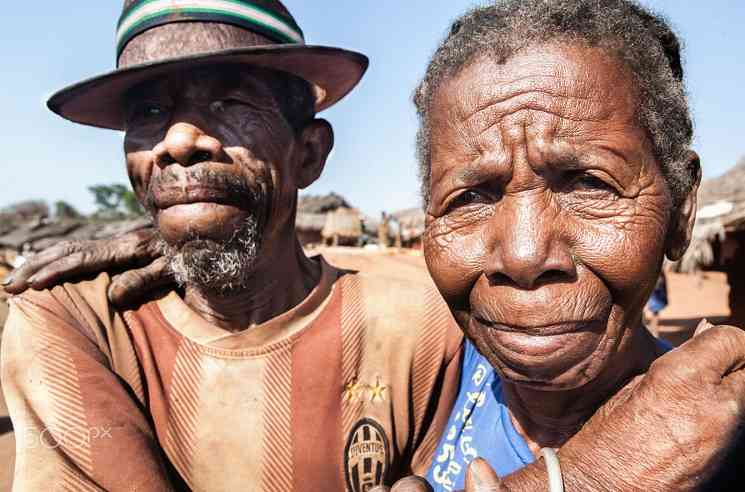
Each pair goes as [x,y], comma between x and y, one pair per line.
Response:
[541,330]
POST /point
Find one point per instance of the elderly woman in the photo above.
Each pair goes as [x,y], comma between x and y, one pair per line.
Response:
[557,174]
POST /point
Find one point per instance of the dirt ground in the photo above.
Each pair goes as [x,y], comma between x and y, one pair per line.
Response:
[691,298]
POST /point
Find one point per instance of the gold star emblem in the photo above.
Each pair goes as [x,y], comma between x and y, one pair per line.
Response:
[353,390]
[377,391]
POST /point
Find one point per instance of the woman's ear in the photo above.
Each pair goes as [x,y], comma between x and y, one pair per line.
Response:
[681,226]
[316,140]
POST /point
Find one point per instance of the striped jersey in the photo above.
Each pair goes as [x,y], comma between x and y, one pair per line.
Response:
[349,389]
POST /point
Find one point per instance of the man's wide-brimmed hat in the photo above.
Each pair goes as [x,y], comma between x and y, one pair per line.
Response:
[260,33]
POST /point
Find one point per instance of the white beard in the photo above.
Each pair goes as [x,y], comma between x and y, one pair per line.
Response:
[218,267]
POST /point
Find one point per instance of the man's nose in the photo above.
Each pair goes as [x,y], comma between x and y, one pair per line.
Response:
[526,248]
[186,144]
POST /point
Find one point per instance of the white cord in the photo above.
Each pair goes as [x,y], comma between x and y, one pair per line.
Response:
[555,478]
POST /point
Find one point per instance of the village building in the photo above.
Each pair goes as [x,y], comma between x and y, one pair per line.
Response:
[719,236]
[410,227]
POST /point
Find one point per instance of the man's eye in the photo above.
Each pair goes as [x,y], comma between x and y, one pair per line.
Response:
[148,112]
[224,104]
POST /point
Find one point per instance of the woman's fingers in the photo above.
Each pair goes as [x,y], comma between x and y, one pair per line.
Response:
[480,477]
[703,325]
[133,285]
[412,484]
[717,350]
[406,484]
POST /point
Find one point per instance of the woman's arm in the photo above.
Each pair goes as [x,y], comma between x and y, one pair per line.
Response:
[667,430]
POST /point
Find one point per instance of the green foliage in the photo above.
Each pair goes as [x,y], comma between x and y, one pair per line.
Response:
[116,201]
[63,210]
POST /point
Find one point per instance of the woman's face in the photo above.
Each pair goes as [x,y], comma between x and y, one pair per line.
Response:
[549,215]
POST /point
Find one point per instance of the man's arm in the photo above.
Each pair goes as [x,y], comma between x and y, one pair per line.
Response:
[133,260]
[76,423]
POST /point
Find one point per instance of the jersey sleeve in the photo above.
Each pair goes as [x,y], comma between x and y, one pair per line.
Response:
[443,391]
[78,425]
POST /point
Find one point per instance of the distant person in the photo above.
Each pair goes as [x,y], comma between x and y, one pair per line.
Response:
[383,230]
[263,369]
[656,303]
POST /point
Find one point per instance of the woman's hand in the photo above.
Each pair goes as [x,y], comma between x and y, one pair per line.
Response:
[480,477]
[407,484]
[135,256]
[669,429]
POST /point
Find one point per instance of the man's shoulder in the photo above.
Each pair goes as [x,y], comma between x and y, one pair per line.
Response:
[67,295]
[81,307]
[401,313]
[391,294]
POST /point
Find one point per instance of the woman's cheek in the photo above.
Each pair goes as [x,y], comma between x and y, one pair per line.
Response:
[455,255]
[626,256]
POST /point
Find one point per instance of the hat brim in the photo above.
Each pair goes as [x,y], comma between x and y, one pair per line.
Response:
[99,101]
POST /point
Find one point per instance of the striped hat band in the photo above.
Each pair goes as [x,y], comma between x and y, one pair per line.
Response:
[145,14]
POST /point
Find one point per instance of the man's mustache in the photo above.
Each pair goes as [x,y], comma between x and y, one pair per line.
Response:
[233,189]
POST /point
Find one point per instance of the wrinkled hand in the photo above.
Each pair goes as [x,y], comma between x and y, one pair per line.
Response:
[133,255]
[671,428]
[480,477]
[407,484]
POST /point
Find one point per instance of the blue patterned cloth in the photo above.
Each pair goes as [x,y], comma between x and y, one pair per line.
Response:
[479,426]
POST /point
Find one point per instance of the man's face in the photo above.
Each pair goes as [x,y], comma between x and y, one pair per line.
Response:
[211,156]
[549,214]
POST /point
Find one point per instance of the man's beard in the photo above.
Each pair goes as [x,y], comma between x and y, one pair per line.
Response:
[219,267]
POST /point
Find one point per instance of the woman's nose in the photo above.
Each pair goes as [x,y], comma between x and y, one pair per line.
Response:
[186,144]
[527,249]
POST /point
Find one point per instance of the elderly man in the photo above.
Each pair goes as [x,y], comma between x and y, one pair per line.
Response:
[265,370]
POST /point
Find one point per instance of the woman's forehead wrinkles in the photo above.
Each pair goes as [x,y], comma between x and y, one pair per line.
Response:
[553,83]
[561,110]
[495,92]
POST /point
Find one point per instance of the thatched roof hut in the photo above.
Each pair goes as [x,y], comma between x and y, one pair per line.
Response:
[343,226]
[312,220]
[320,204]
[721,215]
[411,223]
[719,235]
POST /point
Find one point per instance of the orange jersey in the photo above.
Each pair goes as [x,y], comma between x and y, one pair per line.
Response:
[349,389]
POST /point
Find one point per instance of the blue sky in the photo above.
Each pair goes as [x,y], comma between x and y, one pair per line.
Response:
[373,164]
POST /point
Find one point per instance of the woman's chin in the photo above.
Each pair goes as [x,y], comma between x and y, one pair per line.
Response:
[547,362]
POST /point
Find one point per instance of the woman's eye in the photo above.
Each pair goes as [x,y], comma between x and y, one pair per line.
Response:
[588,182]
[468,197]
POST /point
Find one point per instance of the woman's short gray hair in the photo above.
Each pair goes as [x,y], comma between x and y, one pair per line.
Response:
[642,40]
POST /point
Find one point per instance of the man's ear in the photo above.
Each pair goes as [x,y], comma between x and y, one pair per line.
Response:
[681,225]
[317,140]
